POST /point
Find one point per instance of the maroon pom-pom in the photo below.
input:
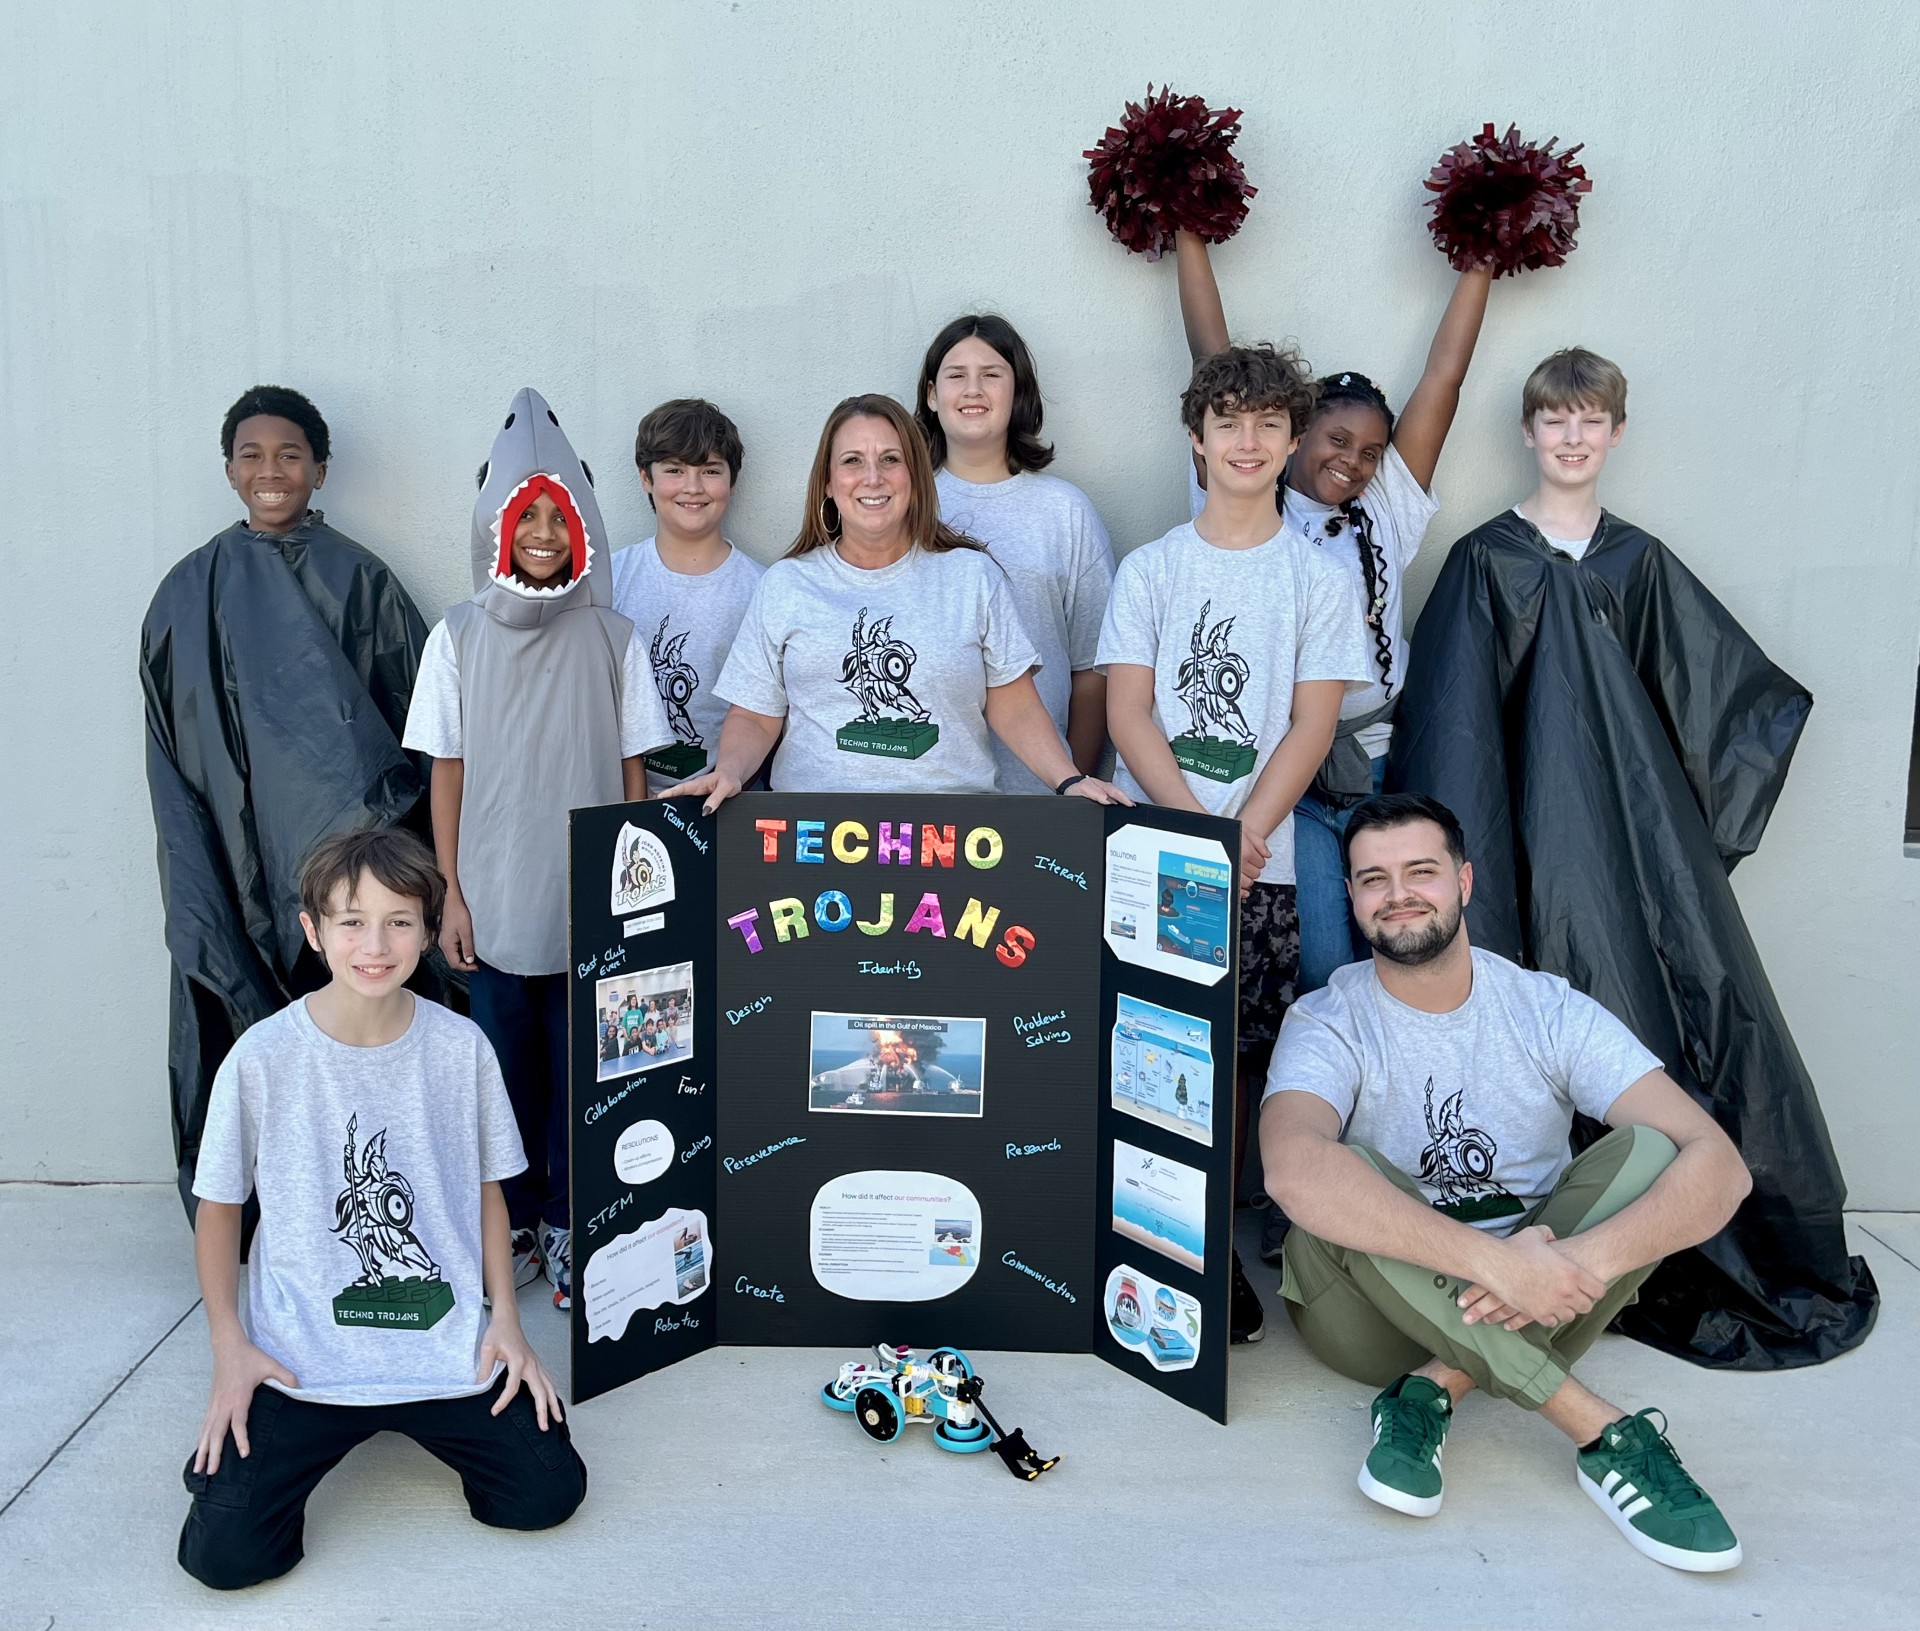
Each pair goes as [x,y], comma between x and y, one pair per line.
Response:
[1506,202]
[1169,163]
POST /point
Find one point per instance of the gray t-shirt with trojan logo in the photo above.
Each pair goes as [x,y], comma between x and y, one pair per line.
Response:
[882,675]
[1228,633]
[365,1276]
[1476,1104]
[688,625]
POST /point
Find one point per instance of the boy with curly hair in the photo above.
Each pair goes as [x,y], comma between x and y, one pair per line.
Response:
[1228,646]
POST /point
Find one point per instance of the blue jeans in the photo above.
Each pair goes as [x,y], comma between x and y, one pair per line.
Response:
[524,1016]
[1328,938]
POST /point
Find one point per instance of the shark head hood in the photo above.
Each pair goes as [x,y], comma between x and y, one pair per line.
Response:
[532,457]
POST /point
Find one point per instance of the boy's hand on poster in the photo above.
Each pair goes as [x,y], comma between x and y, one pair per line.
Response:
[1091,787]
[238,1370]
[456,932]
[716,785]
[505,1343]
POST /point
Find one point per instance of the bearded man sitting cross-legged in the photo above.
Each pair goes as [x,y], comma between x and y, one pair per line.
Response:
[1415,1129]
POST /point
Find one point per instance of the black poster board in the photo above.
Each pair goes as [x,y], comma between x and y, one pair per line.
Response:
[910,1068]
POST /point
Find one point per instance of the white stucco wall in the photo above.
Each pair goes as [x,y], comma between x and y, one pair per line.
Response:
[410,210]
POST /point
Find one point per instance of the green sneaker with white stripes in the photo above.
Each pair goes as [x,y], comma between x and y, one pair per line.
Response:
[1634,1476]
[1410,1422]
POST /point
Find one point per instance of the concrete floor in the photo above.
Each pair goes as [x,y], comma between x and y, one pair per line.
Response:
[723,1495]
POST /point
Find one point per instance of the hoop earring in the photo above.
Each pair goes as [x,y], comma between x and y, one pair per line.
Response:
[830,528]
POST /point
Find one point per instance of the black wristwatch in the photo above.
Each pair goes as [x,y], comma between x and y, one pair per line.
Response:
[1070,781]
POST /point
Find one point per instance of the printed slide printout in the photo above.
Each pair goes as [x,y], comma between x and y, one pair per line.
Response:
[1160,1323]
[1163,1068]
[643,1020]
[1169,903]
[897,1065]
[1160,1203]
[894,1237]
[667,1260]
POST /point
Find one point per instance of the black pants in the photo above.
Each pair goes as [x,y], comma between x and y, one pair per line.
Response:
[525,1018]
[247,1520]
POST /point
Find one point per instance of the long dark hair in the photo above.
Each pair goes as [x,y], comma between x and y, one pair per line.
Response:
[1025,450]
[820,526]
[1336,390]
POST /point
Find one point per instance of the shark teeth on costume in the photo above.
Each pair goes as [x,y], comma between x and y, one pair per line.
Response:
[507,580]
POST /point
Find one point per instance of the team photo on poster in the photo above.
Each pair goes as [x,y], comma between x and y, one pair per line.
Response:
[643,1020]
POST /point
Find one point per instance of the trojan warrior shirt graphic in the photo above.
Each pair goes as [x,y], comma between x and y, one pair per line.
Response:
[676,679]
[399,1286]
[892,723]
[1458,1162]
[1218,743]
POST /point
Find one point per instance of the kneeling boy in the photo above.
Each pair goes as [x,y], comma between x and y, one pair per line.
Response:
[374,1128]
[1416,1129]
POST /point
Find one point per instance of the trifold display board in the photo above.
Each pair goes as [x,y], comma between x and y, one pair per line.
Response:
[939,1070]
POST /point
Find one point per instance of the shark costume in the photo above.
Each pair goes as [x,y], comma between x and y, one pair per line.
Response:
[540,672]
[277,670]
[540,692]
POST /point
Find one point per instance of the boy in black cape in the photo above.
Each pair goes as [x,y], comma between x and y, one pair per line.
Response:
[1613,742]
[277,661]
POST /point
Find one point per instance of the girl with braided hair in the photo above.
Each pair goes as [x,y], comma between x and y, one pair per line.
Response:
[1357,487]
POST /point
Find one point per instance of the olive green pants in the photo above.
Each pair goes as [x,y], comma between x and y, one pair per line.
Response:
[1374,1318]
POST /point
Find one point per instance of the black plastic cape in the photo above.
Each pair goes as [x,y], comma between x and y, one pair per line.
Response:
[277,672]
[1613,743]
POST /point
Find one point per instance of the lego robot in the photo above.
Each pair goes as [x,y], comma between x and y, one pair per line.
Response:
[941,1390]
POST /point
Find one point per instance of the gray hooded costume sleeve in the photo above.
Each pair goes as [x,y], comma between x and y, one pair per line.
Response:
[540,686]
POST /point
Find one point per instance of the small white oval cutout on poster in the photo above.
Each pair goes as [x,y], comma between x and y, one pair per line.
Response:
[645,1150]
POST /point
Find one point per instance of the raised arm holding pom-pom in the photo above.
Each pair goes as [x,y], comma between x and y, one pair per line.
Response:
[1357,487]
[1421,432]
[1428,415]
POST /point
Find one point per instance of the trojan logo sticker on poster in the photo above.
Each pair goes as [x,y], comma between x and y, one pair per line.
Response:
[642,872]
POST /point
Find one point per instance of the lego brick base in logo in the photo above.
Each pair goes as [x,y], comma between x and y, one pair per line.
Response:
[1213,757]
[415,1305]
[887,738]
[678,762]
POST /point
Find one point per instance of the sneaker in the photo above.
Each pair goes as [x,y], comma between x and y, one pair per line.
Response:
[1634,1476]
[1247,1320]
[1273,1234]
[556,1262]
[1402,1470]
[526,1258]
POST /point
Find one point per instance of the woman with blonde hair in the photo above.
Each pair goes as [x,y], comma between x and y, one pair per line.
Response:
[881,637]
